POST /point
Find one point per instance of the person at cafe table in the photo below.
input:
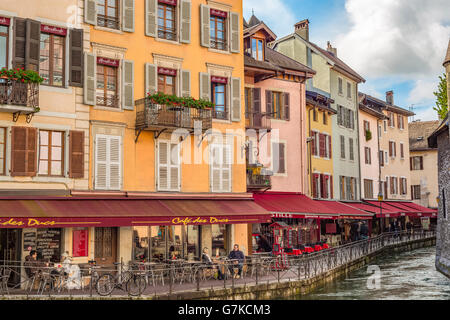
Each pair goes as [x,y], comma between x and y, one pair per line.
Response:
[237,258]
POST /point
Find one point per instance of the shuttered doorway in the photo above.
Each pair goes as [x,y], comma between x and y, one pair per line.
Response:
[105,245]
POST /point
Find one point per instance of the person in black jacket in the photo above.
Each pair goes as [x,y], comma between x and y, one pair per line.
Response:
[237,258]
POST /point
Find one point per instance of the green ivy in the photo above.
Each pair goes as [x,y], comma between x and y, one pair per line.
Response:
[173,100]
[22,75]
[368,135]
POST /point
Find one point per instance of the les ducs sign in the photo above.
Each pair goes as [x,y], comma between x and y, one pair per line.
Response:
[30,222]
[199,220]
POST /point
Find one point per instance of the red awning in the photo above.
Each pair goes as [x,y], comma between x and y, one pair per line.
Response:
[345,211]
[78,212]
[425,212]
[295,205]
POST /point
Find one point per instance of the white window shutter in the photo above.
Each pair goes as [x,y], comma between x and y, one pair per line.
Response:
[151,78]
[226,168]
[235,99]
[163,165]
[185,83]
[220,168]
[128,15]
[174,164]
[185,21]
[235,39]
[205,26]
[101,172]
[205,86]
[90,12]
[115,175]
[90,78]
[128,84]
[151,9]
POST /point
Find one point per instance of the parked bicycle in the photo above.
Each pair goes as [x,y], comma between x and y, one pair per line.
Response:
[131,281]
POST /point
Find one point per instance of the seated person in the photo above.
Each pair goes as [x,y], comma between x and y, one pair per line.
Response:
[207,260]
[238,261]
[31,264]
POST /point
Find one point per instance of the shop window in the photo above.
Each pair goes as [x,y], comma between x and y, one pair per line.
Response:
[52,59]
[80,242]
[2,150]
[167,21]
[219,97]
[192,242]
[108,14]
[4,46]
[51,153]
[107,83]
[218,31]
[220,240]
[158,243]
[175,242]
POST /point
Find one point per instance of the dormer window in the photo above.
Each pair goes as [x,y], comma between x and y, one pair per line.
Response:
[254,47]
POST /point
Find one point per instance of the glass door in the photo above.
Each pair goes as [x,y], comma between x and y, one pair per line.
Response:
[10,253]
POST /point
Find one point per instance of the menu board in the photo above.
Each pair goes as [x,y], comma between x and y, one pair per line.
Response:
[29,240]
[48,244]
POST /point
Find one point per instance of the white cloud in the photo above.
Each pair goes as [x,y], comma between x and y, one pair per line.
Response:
[405,38]
[423,91]
[271,11]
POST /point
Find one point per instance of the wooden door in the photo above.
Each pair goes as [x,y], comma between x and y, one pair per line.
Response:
[105,245]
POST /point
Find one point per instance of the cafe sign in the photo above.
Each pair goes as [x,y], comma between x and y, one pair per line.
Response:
[5,21]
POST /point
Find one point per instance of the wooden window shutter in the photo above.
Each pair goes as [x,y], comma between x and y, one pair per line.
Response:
[76,154]
[185,21]
[151,7]
[421,163]
[282,157]
[128,84]
[151,79]
[101,161]
[20,32]
[390,149]
[114,163]
[269,108]
[19,151]
[90,12]
[314,186]
[322,186]
[204,26]
[234,32]
[286,106]
[128,15]
[410,163]
[331,187]
[236,99]
[256,100]
[205,86]
[32,46]
[90,78]
[321,145]
[330,147]
[185,83]
[31,151]
[76,58]
[313,143]
[163,165]
[395,148]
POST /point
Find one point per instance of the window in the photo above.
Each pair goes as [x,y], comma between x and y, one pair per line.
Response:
[386,159]
[324,186]
[324,118]
[392,149]
[219,97]
[415,192]
[348,188]
[257,49]
[349,90]
[391,119]
[279,158]
[385,125]
[51,153]
[340,86]
[166,21]
[220,167]
[393,185]
[107,86]
[166,84]
[4,45]
[52,59]
[278,112]
[218,32]
[108,162]
[168,166]
[316,186]
[366,126]
[368,155]
[315,114]
[402,152]
[400,122]
[248,102]
[340,115]
[2,150]
[108,14]
[352,154]
[346,117]
[342,147]
[403,186]
[379,131]
[368,189]
[416,163]
[381,158]
[315,143]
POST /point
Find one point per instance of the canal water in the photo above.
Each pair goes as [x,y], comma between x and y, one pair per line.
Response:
[402,276]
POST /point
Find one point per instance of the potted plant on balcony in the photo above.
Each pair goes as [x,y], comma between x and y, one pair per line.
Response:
[21,75]
[368,135]
[177,103]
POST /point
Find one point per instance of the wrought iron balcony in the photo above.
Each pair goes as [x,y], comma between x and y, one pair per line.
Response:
[258,121]
[157,117]
[18,97]
[258,178]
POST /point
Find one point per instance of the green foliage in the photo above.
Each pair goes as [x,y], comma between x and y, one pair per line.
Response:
[441,97]
[368,135]
[22,75]
[172,100]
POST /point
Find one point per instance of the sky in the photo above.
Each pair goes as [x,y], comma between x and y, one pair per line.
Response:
[395,45]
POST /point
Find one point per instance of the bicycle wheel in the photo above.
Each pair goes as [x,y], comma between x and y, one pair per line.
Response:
[105,284]
[136,285]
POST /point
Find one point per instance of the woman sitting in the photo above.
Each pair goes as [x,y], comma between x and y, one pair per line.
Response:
[207,260]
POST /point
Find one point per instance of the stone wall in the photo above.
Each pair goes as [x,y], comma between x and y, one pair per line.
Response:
[443,223]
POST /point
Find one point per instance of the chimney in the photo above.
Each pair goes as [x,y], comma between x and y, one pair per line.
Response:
[390,97]
[330,49]
[302,29]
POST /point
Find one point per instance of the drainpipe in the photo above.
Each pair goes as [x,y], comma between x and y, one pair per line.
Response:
[310,152]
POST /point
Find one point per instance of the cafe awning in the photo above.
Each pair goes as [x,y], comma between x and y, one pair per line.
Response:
[115,212]
[401,208]
[299,206]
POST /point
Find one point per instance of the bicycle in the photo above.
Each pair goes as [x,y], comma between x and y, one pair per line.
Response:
[134,282]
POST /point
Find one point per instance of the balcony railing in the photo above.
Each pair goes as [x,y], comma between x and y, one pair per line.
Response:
[258,121]
[16,93]
[157,117]
[259,179]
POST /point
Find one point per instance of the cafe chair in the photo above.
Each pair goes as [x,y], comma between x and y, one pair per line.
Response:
[5,273]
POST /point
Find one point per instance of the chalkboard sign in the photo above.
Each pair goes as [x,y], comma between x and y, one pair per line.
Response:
[48,244]
[29,240]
